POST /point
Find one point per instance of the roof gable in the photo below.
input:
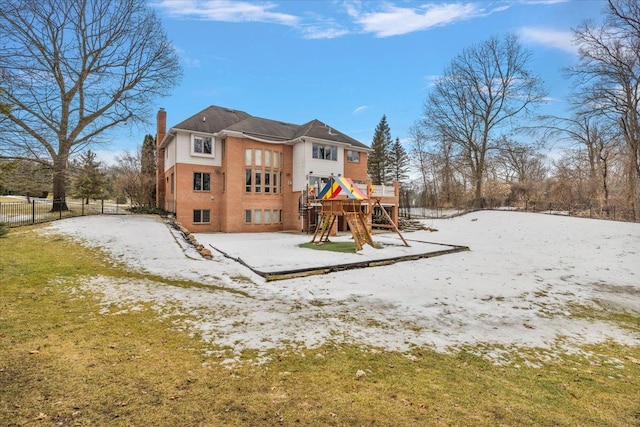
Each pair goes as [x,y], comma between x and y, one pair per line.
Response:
[212,119]
[319,130]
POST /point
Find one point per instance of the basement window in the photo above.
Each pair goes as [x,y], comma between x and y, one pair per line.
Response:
[201,216]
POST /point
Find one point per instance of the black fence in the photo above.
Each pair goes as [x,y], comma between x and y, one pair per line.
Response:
[613,213]
[17,214]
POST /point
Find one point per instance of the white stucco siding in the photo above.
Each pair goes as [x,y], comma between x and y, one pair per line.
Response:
[299,168]
[170,155]
[183,151]
[304,164]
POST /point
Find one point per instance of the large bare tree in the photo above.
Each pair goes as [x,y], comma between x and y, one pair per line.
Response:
[72,70]
[478,98]
[597,137]
[608,75]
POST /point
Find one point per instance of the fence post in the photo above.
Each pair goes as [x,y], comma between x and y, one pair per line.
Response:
[101,206]
[82,210]
[60,216]
[614,213]
[590,211]
[33,212]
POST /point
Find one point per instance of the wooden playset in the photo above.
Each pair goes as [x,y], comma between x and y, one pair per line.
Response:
[340,197]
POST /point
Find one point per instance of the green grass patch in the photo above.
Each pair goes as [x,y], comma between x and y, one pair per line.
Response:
[623,318]
[342,247]
[65,362]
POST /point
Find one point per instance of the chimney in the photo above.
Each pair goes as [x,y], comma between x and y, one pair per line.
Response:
[161,132]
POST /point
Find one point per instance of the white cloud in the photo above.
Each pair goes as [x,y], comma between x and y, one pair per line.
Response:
[360,109]
[393,20]
[317,32]
[562,40]
[543,1]
[226,11]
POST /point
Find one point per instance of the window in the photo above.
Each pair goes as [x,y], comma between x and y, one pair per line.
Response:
[267,217]
[202,145]
[247,216]
[201,216]
[262,170]
[201,181]
[353,156]
[325,152]
[257,216]
[276,217]
[247,180]
[258,187]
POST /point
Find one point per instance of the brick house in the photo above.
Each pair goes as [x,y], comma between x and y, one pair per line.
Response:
[225,170]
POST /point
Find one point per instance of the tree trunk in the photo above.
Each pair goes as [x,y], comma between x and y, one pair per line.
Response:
[59,183]
[478,173]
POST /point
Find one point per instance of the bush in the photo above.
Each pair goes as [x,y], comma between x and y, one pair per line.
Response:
[4,229]
[152,210]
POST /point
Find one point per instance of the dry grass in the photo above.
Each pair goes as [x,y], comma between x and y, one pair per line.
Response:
[63,363]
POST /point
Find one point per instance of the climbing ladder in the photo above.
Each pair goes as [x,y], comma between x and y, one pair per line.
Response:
[358,226]
[324,229]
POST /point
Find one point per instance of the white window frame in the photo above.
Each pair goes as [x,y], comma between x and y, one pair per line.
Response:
[195,153]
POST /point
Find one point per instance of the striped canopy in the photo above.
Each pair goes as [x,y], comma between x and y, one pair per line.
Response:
[341,184]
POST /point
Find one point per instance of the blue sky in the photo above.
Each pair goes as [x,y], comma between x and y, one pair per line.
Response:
[347,63]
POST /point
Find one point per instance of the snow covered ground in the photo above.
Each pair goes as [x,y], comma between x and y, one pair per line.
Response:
[512,289]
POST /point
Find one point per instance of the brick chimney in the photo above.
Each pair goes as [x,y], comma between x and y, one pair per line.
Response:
[161,131]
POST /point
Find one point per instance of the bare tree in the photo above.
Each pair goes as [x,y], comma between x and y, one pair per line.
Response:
[480,95]
[130,180]
[420,157]
[608,75]
[73,70]
[520,163]
[597,138]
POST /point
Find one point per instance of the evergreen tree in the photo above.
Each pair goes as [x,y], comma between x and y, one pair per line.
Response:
[378,165]
[148,167]
[90,180]
[399,161]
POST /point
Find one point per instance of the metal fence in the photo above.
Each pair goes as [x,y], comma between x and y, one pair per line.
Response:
[17,214]
[613,213]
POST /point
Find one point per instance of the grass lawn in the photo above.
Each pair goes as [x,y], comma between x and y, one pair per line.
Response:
[63,362]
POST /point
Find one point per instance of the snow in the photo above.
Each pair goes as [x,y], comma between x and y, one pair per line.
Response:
[513,289]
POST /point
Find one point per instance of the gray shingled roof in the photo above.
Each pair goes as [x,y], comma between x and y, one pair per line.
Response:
[214,119]
[265,129]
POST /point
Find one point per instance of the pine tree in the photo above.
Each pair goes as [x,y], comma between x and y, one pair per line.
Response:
[90,180]
[378,166]
[399,161]
[148,168]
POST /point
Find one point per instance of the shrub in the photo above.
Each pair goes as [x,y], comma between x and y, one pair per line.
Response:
[148,210]
[4,229]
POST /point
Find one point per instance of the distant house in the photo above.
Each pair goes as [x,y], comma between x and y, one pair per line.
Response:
[225,170]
